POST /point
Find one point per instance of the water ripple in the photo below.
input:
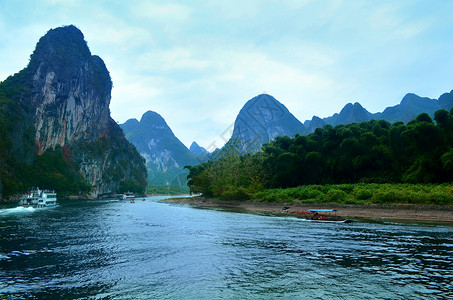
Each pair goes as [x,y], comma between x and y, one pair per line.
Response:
[149,250]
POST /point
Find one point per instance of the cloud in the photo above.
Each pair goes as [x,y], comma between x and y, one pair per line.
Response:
[161,13]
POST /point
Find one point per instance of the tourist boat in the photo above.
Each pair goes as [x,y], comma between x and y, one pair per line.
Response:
[128,195]
[39,198]
[314,215]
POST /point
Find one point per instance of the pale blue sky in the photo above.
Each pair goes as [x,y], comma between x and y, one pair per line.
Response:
[197,62]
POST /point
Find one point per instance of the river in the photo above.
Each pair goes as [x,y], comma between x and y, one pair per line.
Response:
[152,250]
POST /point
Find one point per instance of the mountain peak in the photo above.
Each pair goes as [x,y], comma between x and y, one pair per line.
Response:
[164,153]
[151,116]
[65,43]
[197,150]
[152,119]
[66,92]
[261,120]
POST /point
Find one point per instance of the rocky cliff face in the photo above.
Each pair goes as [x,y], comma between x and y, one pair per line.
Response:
[261,120]
[165,154]
[68,98]
[71,90]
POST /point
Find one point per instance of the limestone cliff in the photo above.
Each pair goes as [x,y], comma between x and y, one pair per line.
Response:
[65,95]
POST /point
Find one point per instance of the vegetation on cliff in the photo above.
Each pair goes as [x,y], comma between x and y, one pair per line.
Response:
[55,125]
[420,152]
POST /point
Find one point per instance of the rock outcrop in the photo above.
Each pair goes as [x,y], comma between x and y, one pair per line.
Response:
[66,100]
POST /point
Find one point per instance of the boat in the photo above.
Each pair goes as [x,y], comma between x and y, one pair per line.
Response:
[128,195]
[39,198]
[314,215]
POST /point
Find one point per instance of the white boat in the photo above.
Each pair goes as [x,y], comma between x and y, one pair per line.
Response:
[39,198]
[128,195]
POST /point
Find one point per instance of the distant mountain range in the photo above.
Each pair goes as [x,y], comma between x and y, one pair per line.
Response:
[164,153]
[260,120]
[409,108]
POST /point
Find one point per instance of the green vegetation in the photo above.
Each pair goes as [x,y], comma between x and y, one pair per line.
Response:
[363,193]
[333,163]
[50,170]
[167,190]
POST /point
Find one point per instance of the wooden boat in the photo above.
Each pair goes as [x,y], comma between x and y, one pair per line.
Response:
[325,216]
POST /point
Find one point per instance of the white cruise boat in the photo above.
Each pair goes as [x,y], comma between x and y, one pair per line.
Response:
[40,198]
[128,195]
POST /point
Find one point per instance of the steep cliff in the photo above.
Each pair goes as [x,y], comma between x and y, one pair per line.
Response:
[165,154]
[62,99]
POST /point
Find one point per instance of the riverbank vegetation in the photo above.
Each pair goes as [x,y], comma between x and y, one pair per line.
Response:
[368,162]
[167,190]
[365,193]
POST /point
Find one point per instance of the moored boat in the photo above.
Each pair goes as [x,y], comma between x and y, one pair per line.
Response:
[39,198]
[326,216]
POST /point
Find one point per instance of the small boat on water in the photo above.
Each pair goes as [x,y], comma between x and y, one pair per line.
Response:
[39,198]
[128,195]
[125,196]
[326,216]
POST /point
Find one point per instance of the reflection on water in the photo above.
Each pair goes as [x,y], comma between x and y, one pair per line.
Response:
[151,250]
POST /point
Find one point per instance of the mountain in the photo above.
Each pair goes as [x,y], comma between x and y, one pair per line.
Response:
[446,101]
[164,153]
[315,122]
[408,109]
[260,120]
[198,150]
[55,116]
[351,113]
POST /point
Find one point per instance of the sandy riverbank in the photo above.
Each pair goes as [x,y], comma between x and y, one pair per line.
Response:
[375,212]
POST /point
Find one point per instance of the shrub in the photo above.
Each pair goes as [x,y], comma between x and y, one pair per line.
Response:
[335,195]
[363,194]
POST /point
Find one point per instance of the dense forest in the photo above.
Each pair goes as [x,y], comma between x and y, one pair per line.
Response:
[419,152]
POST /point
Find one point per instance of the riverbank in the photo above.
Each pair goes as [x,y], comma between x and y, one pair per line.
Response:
[374,211]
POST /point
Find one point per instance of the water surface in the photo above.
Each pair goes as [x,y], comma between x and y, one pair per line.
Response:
[151,250]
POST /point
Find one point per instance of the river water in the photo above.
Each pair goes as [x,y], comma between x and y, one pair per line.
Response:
[153,250]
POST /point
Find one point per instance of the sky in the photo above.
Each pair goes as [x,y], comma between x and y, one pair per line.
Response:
[196,63]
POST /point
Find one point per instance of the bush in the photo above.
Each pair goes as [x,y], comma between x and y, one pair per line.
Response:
[335,195]
[363,194]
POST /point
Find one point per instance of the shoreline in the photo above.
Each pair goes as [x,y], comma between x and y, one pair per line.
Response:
[403,212]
